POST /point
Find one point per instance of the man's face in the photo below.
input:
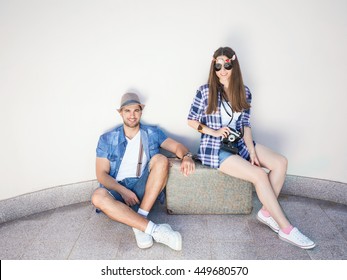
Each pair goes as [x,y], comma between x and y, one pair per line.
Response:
[131,115]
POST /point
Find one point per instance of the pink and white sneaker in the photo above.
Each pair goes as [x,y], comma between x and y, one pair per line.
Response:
[269,221]
[296,238]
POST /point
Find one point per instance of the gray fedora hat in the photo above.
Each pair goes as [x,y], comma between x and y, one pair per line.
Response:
[130,98]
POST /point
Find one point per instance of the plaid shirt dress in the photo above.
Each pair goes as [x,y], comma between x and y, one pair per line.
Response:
[209,146]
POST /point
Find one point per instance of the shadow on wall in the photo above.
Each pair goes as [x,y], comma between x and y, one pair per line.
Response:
[271,139]
[192,145]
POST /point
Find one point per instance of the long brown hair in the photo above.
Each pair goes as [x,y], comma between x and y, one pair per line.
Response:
[235,94]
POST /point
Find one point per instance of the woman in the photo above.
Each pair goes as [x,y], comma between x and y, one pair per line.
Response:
[221,113]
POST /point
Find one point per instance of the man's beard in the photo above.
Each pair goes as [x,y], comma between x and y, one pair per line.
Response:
[132,125]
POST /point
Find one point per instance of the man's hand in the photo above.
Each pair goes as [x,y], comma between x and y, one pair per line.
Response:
[129,197]
[187,166]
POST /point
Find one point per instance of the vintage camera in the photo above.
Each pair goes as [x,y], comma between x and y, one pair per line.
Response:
[229,143]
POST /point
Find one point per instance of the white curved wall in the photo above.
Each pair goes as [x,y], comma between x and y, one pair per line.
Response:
[65,64]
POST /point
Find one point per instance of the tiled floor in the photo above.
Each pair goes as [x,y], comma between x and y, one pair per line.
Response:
[77,232]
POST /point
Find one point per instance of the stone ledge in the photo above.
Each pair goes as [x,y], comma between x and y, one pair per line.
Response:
[315,188]
[47,199]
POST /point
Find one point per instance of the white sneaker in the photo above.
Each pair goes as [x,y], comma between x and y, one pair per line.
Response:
[143,239]
[164,234]
[296,238]
[269,221]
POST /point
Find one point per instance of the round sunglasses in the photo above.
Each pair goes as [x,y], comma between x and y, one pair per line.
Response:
[227,66]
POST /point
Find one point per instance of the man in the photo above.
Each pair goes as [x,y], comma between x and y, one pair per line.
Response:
[132,174]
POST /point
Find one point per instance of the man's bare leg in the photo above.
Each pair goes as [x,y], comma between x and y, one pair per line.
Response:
[117,210]
[159,168]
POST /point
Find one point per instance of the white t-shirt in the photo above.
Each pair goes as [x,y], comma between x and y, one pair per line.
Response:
[129,163]
[226,118]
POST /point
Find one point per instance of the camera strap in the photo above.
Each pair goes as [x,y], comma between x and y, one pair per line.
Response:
[232,111]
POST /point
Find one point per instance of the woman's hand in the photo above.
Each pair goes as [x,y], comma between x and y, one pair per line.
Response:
[222,132]
[254,158]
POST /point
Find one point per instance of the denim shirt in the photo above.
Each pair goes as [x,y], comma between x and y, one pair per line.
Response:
[112,145]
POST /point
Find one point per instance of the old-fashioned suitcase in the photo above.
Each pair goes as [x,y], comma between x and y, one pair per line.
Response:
[207,191]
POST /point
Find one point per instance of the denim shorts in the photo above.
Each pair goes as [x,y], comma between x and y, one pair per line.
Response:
[223,155]
[136,185]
